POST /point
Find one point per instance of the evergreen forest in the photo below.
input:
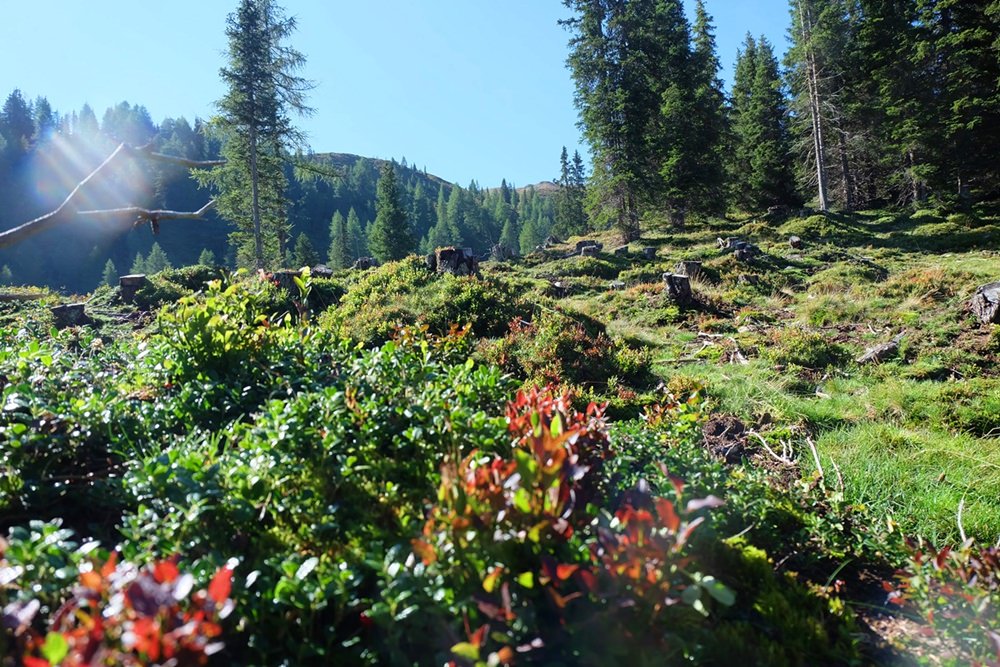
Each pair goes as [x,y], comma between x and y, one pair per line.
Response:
[724,390]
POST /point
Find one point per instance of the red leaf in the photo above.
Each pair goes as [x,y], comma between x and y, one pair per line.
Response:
[425,550]
[665,509]
[564,572]
[589,580]
[35,662]
[165,571]
[109,567]
[222,585]
[477,637]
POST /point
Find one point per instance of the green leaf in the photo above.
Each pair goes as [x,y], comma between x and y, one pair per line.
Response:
[718,591]
[556,427]
[466,650]
[526,579]
[522,500]
[55,648]
[306,568]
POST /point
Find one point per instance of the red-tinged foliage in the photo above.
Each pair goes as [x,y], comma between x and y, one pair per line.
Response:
[519,531]
[122,615]
[958,592]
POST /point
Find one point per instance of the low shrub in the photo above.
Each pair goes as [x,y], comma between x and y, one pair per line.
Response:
[804,348]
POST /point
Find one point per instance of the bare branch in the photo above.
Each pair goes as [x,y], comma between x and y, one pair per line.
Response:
[147,215]
[66,210]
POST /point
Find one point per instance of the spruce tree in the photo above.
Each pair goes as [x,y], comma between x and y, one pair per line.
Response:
[206,258]
[138,264]
[390,237]
[339,256]
[706,192]
[305,254]
[760,156]
[262,87]
[357,237]
[157,260]
[110,275]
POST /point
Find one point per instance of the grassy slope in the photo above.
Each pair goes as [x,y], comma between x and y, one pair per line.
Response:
[912,437]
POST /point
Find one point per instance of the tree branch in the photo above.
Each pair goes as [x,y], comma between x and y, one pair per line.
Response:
[66,209]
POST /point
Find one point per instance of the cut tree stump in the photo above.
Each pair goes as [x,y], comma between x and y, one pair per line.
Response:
[69,315]
[881,352]
[985,303]
[688,267]
[362,263]
[678,288]
[649,252]
[589,251]
[456,261]
[621,251]
[795,242]
[130,285]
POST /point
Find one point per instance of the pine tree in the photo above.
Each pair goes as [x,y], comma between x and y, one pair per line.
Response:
[390,237]
[110,275]
[6,276]
[339,256]
[261,89]
[305,254]
[17,127]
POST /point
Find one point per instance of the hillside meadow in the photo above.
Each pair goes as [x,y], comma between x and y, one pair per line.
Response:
[549,463]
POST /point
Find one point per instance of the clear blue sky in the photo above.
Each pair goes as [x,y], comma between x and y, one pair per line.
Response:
[468,88]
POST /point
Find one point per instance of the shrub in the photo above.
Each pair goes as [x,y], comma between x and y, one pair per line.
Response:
[804,348]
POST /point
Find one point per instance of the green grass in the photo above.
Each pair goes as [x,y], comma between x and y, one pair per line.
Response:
[802,317]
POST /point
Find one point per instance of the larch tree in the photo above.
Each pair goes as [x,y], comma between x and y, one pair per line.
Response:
[262,89]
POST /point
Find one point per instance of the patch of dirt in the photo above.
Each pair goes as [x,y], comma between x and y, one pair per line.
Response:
[725,437]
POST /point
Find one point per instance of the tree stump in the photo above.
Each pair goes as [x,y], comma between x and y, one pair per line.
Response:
[649,252]
[69,315]
[321,271]
[879,353]
[795,242]
[616,285]
[559,289]
[500,252]
[688,267]
[589,251]
[365,263]
[580,245]
[621,251]
[456,261]
[431,261]
[985,303]
[678,218]
[129,285]
[678,288]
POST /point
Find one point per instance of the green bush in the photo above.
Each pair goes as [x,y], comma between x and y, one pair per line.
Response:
[804,348]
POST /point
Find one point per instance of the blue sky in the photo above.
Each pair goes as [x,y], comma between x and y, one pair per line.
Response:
[468,88]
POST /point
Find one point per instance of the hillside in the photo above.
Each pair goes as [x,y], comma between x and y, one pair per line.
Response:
[375,494]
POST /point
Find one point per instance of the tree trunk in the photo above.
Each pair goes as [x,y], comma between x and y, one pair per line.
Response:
[845,167]
[258,241]
[812,81]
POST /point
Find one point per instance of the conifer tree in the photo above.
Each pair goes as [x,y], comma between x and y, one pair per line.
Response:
[138,264]
[305,253]
[760,157]
[339,256]
[357,237]
[206,258]
[390,237]
[110,275]
[157,260]
[262,87]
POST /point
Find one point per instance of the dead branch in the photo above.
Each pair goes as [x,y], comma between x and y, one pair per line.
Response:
[66,210]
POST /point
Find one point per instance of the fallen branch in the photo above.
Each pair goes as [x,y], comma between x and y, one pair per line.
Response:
[66,209]
[153,217]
